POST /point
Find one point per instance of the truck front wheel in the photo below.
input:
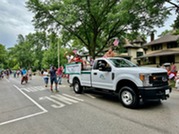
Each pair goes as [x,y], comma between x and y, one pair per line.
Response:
[77,87]
[128,97]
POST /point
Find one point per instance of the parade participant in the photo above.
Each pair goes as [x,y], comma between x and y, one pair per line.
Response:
[18,73]
[30,73]
[173,68]
[69,57]
[91,61]
[24,76]
[45,76]
[77,58]
[177,81]
[53,78]
[59,74]
[7,72]
[109,53]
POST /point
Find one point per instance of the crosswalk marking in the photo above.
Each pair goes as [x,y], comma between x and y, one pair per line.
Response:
[72,97]
[60,100]
[25,89]
[38,88]
[63,85]
[34,89]
[57,100]
[63,99]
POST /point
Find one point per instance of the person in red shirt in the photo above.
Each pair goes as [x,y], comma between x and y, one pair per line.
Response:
[77,58]
[59,74]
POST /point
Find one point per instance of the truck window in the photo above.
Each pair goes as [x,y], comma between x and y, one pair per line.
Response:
[97,64]
[122,63]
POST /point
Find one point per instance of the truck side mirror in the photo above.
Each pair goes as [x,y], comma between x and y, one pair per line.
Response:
[108,69]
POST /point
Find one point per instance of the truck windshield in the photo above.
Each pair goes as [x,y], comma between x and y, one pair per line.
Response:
[122,63]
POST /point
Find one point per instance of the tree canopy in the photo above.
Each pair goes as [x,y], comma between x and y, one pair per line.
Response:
[95,22]
[3,56]
[36,51]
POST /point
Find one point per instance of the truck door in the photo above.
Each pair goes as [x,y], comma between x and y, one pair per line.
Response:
[102,78]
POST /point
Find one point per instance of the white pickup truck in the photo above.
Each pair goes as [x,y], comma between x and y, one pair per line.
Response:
[120,76]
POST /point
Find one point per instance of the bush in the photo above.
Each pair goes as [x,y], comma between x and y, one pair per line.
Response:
[172,83]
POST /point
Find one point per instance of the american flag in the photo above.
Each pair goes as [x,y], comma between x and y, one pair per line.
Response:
[75,51]
[116,42]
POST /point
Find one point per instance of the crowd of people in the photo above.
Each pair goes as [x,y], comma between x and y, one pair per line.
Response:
[17,73]
[84,63]
[55,76]
[5,73]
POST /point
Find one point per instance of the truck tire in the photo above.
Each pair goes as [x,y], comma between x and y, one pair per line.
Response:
[77,87]
[128,97]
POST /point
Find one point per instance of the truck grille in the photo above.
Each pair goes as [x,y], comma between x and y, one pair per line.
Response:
[159,79]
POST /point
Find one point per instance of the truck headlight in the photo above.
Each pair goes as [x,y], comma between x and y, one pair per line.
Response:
[145,78]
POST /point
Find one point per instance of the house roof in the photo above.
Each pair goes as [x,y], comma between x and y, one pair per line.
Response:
[161,53]
[130,46]
[164,39]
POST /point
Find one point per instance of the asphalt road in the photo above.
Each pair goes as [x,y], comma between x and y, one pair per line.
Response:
[33,109]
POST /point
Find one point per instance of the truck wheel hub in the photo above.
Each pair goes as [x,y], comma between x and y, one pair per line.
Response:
[127,97]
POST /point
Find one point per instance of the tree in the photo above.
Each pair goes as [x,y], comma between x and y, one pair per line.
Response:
[50,56]
[95,23]
[22,52]
[39,42]
[174,5]
[3,56]
[176,23]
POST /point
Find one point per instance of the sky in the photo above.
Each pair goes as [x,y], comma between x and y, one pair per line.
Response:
[15,19]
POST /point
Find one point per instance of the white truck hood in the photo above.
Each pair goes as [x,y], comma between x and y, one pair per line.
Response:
[143,70]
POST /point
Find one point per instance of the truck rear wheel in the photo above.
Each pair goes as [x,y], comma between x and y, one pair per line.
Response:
[77,87]
[128,97]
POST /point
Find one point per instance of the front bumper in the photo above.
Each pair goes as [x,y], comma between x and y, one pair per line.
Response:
[154,93]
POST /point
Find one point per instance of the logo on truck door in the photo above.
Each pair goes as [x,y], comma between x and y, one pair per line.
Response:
[102,77]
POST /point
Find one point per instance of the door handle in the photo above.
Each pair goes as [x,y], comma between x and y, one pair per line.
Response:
[113,75]
[95,73]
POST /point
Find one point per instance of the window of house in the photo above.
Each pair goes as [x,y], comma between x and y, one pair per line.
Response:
[168,59]
[157,47]
[152,60]
[139,54]
[172,45]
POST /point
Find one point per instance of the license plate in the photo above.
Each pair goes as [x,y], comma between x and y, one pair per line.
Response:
[167,91]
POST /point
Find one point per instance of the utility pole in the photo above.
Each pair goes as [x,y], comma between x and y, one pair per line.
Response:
[58,53]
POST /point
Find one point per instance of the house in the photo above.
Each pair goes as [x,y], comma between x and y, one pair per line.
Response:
[133,50]
[162,50]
